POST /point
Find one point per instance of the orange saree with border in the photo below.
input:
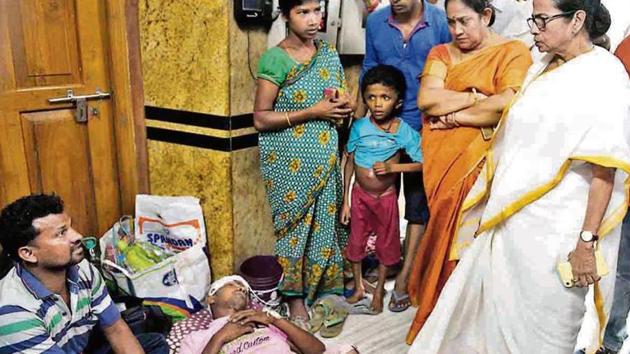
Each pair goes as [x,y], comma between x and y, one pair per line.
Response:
[452,161]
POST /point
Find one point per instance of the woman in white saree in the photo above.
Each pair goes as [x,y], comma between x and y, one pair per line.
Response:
[555,178]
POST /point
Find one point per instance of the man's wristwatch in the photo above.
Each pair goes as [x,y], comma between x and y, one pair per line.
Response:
[588,236]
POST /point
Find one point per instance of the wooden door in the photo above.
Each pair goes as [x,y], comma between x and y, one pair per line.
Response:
[46,48]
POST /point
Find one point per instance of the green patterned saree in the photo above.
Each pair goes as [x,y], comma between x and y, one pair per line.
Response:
[302,177]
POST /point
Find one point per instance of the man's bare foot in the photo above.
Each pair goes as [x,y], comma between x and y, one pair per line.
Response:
[401,283]
[377,300]
[399,302]
[357,295]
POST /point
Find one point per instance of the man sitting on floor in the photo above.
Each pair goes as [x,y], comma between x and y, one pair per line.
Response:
[238,328]
[52,298]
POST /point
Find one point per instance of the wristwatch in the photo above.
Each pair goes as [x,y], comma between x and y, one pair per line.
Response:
[588,236]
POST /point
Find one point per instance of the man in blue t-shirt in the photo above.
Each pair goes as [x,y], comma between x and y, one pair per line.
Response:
[401,35]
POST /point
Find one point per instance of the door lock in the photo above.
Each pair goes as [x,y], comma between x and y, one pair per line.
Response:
[80,102]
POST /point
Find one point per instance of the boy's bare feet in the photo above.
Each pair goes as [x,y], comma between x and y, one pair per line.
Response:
[377,300]
[357,295]
[370,287]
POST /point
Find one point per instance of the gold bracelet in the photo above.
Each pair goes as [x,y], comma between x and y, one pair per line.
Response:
[286,115]
[475,98]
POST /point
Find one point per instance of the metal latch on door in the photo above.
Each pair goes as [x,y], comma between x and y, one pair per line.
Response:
[80,102]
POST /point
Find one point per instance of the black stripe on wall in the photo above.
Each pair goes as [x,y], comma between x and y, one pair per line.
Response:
[202,141]
[199,119]
[244,141]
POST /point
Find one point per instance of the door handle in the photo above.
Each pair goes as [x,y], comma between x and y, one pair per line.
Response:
[80,102]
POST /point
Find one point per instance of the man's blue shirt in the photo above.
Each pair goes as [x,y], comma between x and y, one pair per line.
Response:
[384,44]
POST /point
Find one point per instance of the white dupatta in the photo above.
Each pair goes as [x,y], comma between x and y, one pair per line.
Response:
[560,118]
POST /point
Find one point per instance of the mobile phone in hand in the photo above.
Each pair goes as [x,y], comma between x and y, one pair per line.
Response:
[331,93]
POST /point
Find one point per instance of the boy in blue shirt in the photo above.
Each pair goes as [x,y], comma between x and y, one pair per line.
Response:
[402,34]
[374,154]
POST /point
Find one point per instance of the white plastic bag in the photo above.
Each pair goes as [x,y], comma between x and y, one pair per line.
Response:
[173,223]
[182,280]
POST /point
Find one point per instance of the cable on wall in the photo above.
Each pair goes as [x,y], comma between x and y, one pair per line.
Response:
[249,62]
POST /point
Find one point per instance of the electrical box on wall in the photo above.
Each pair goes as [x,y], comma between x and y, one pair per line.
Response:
[343,24]
[253,12]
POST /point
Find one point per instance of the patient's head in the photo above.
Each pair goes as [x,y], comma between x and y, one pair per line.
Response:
[228,295]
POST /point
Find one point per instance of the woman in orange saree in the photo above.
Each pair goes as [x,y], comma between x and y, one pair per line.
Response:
[466,85]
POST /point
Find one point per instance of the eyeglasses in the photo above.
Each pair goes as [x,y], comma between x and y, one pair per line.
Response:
[541,22]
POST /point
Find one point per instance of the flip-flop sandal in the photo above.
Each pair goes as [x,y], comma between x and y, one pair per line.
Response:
[399,302]
[362,307]
[333,324]
[319,311]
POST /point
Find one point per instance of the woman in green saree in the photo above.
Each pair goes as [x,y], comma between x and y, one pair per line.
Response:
[299,152]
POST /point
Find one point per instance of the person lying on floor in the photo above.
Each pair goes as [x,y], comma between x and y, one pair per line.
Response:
[239,328]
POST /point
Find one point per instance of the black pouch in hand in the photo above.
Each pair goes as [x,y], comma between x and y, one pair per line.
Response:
[140,319]
[147,319]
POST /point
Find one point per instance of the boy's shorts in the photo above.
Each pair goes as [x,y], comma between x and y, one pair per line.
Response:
[374,214]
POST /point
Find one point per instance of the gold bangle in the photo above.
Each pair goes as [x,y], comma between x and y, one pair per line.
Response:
[286,115]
